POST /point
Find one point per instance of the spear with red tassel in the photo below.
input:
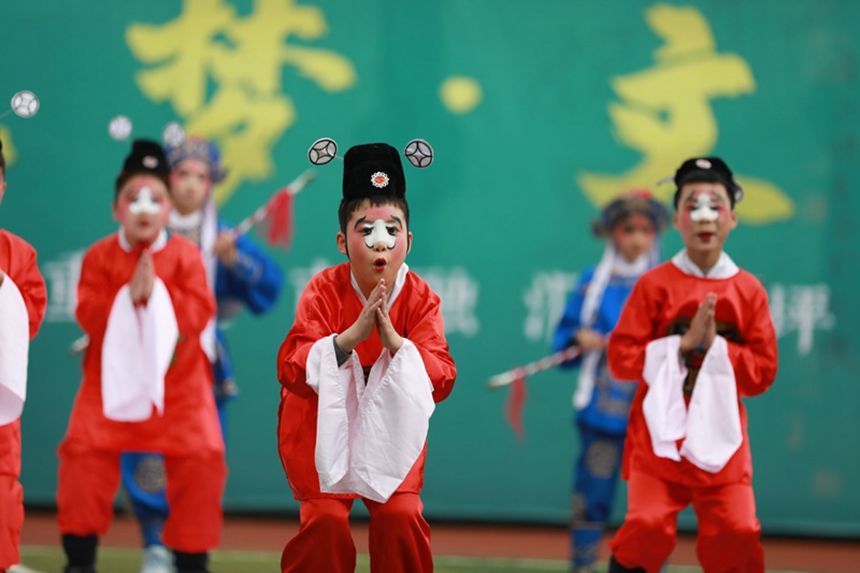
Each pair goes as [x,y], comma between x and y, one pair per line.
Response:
[516,378]
[276,214]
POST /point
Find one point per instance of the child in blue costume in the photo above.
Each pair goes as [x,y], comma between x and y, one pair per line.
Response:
[630,225]
[243,275]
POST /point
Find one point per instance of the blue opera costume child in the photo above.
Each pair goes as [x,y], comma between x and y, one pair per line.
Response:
[243,275]
[630,224]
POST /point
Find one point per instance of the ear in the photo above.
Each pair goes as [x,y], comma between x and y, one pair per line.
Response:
[341,244]
[408,242]
[114,211]
[2,190]
[733,219]
[675,220]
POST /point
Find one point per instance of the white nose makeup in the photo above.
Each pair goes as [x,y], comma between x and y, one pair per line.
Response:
[144,203]
[705,209]
[379,232]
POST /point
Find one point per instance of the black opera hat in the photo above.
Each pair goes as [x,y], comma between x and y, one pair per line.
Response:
[147,158]
[711,169]
[372,169]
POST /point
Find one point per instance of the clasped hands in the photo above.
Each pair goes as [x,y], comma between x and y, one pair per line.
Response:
[703,327]
[143,280]
[375,312]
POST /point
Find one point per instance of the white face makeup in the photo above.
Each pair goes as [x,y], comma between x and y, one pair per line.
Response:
[144,203]
[705,209]
[379,231]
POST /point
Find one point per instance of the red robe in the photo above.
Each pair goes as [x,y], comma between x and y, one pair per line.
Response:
[329,305]
[189,424]
[662,298]
[18,263]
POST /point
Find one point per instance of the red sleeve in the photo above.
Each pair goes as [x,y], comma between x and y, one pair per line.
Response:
[635,329]
[310,326]
[428,335]
[30,282]
[755,360]
[96,294]
[192,299]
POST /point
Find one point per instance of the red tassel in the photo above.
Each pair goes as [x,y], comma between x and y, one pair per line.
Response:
[278,224]
[515,403]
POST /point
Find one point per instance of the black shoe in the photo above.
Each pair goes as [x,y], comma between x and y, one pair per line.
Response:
[616,567]
[80,550]
[191,562]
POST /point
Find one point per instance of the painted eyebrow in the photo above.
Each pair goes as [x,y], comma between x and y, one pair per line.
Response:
[363,219]
[695,199]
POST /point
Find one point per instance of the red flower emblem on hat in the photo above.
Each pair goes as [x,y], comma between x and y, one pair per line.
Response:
[150,162]
[379,179]
[703,163]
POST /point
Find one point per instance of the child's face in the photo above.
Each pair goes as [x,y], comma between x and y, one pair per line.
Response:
[142,208]
[376,242]
[704,217]
[633,236]
[190,183]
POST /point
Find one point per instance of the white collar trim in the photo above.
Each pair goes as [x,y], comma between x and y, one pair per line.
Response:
[180,221]
[156,245]
[724,269]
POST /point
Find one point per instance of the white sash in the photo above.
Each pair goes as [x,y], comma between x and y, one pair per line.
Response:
[369,437]
[711,425]
[14,349]
[137,350]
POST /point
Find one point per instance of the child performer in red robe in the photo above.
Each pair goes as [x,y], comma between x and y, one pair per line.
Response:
[143,300]
[23,299]
[361,369]
[697,335]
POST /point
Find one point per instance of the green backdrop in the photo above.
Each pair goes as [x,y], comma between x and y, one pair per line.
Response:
[538,112]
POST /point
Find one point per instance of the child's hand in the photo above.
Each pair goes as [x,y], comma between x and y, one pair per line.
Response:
[589,339]
[363,325]
[711,324]
[703,328]
[225,248]
[387,335]
[143,280]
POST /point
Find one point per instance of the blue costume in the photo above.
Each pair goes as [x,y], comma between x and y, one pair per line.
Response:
[602,422]
[253,282]
[602,403]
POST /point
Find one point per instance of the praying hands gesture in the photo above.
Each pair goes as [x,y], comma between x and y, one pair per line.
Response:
[703,328]
[375,312]
[389,337]
[143,280]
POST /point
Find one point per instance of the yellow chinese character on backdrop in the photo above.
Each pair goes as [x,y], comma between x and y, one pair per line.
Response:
[666,114]
[246,112]
[10,154]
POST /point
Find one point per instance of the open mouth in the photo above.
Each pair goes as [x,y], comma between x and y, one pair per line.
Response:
[705,237]
[379,264]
